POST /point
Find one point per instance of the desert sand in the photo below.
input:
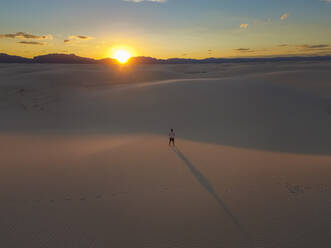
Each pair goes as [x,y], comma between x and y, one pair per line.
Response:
[85,160]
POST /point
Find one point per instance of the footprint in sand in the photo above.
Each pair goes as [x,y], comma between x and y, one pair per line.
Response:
[294,189]
[163,189]
[65,199]
[322,188]
[308,188]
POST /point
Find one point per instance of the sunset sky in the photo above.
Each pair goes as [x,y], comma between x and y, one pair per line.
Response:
[166,28]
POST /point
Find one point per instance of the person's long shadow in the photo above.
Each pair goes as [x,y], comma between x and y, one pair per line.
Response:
[209,187]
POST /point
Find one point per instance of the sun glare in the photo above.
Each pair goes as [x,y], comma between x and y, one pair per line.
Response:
[122,56]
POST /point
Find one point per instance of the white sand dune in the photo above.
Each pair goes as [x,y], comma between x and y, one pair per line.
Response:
[85,160]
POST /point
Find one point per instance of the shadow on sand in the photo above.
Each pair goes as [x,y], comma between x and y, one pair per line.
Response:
[209,187]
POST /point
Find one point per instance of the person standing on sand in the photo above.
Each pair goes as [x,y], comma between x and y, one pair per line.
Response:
[172,136]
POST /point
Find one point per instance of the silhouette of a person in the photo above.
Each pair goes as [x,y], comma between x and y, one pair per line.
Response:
[172,136]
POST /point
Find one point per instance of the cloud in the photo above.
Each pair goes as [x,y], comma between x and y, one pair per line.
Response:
[319,46]
[313,49]
[31,43]
[79,37]
[285,16]
[327,1]
[244,25]
[140,1]
[244,50]
[308,47]
[23,35]
[71,38]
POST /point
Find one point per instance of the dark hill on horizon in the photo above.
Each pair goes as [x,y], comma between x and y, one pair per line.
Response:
[62,59]
[5,58]
[74,59]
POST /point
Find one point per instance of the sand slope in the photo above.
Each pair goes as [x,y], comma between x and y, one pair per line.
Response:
[85,160]
[134,191]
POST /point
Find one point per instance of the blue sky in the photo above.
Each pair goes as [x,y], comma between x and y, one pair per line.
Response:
[174,28]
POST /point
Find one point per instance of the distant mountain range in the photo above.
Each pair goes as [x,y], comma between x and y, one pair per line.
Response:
[73,59]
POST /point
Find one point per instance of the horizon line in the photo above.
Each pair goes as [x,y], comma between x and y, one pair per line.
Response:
[181,58]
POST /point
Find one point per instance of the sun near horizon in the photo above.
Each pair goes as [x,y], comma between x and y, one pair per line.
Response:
[122,56]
